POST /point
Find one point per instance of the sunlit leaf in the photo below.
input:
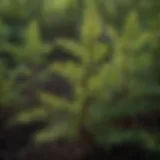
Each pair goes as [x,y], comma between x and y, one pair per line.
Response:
[31,115]
[91,27]
[74,47]
[33,38]
[55,102]
[100,52]
[70,70]
[131,26]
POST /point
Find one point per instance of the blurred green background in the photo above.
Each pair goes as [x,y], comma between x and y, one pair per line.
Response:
[65,64]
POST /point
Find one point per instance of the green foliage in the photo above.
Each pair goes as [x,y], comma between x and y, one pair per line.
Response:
[103,91]
[98,81]
[134,65]
[79,75]
[26,57]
